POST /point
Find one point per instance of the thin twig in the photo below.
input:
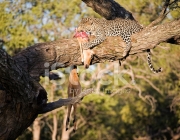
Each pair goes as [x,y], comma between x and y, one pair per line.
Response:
[161,16]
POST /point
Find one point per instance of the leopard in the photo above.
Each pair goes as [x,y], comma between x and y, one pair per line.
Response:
[102,28]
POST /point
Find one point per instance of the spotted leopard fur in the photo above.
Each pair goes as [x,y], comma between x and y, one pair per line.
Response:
[101,28]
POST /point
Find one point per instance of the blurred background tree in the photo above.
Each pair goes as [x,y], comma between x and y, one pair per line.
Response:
[130,102]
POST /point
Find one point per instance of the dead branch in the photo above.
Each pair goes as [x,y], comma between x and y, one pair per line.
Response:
[150,83]
[63,102]
[175,102]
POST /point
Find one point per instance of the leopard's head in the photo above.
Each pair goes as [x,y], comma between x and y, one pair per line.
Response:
[86,25]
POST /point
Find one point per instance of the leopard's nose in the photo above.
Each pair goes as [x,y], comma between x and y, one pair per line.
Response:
[86,66]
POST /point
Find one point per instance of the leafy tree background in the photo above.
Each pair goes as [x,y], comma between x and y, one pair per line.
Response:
[116,110]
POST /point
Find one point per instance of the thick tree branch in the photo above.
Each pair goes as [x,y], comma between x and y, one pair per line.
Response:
[109,9]
[151,37]
[40,58]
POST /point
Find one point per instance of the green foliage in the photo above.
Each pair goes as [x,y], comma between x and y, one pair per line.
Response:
[147,11]
[24,23]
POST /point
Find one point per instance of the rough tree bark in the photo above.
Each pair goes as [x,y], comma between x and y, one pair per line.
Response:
[65,52]
[22,98]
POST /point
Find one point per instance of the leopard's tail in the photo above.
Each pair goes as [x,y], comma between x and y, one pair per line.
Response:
[150,63]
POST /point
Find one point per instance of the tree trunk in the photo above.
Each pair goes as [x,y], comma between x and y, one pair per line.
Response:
[19,100]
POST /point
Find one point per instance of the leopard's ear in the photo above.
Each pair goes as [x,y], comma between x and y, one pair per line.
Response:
[84,20]
[90,20]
